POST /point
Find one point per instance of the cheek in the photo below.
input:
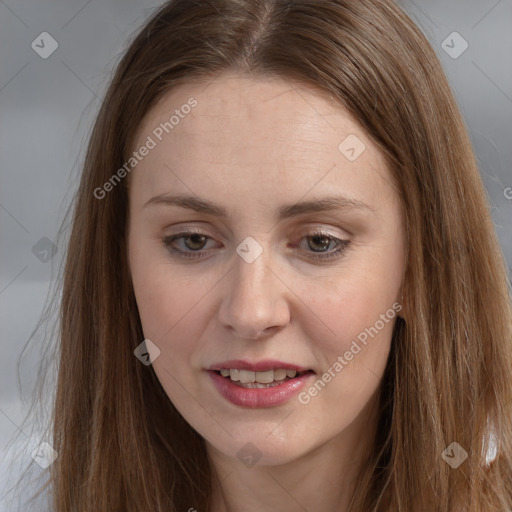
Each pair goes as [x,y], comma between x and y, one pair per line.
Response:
[353,342]
[168,299]
[355,326]
[349,320]
[346,305]
[170,310]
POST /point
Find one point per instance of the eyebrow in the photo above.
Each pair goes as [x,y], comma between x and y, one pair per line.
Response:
[197,204]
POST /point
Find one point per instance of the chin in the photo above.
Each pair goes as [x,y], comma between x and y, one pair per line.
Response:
[261,450]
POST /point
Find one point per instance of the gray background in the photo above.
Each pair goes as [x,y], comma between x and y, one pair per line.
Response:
[47,107]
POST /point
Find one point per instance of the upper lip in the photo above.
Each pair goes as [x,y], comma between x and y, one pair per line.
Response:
[257,366]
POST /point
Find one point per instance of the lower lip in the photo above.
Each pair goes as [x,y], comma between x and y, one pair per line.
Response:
[258,397]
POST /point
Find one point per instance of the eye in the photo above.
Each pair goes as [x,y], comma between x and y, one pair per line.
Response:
[194,244]
[193,241]
[319,241]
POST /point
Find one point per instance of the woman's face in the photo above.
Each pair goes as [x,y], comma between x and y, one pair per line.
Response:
[293,259]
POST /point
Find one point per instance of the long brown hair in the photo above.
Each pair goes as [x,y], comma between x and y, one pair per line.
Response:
[122,445]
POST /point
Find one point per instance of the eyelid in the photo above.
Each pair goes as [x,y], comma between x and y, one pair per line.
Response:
[304,230]
[308,231]
[319,229]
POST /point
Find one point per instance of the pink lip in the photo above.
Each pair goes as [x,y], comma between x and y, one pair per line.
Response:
[260,366]
[258,397]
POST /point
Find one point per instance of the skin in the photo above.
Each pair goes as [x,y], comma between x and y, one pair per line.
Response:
[251,146]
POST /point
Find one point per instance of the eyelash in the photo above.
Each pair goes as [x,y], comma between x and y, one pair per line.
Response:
[342,245]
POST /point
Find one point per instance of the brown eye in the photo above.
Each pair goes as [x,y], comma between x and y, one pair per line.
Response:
[318,244]
[192,246]
[319,241]
[197,241]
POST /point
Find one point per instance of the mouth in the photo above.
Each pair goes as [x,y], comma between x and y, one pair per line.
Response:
[260,379]
[259,385]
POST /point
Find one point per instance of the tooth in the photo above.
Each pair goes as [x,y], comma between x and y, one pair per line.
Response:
[280,374]
[265,377]
[234,374]
[247,376]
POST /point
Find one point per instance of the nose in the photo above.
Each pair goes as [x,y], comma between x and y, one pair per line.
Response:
[256,301]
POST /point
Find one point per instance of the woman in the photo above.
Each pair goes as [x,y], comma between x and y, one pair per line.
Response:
[283,288]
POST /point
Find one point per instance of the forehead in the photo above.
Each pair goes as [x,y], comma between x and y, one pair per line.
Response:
[255,132]
[254,103]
